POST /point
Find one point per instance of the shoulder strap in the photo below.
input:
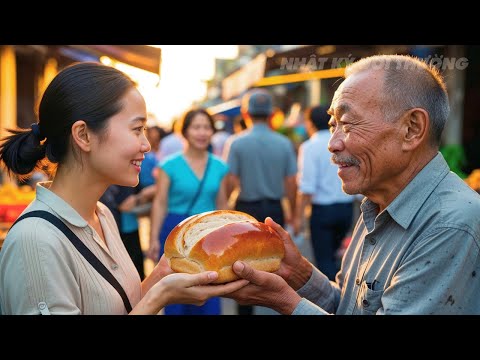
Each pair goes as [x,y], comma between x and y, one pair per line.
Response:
[200,186]
[82,248]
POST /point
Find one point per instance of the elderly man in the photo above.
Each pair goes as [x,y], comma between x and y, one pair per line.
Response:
[415,248]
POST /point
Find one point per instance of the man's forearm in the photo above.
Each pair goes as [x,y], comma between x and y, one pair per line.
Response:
[232,183]
[303,200]
[291,192]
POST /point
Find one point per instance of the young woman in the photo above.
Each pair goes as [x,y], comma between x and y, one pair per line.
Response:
[91,125]
[189,182]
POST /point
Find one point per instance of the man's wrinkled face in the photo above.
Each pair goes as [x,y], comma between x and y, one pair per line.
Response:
[365,147]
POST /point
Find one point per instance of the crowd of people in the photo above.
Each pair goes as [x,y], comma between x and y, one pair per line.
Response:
[414,248]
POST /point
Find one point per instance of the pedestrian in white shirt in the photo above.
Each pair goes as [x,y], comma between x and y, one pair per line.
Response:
[320,187]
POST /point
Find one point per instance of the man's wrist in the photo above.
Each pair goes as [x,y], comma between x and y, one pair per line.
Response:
[300,274]
[289,304]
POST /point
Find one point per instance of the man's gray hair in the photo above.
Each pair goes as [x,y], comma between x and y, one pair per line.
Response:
[409,83]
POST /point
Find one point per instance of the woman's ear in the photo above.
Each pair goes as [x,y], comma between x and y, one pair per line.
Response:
[81,136]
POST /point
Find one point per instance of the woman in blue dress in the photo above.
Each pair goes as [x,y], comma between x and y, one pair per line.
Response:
[189,182]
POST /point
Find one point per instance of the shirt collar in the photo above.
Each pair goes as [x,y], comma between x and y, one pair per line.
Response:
[61,208]
[407,204]
[260,126]
[319,133]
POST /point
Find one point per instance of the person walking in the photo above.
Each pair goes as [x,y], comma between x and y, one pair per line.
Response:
[262,165]
[189,182]
[320,187]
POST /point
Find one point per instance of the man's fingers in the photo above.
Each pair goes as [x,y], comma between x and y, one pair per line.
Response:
[246,272]
[220,290]
[280,231]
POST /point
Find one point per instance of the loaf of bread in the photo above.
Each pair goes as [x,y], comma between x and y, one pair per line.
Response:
[215,240]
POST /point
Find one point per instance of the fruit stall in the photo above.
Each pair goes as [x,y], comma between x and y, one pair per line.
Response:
[13,200]
[473,180]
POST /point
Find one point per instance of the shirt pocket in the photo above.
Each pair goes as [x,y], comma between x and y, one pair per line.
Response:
[368,300]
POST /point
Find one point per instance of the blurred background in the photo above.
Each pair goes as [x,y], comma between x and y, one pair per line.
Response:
[172,78]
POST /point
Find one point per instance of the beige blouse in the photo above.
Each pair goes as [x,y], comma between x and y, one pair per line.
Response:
[41,272]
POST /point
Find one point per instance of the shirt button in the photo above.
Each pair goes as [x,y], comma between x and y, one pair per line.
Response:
[42,306]
[372,241]
[365,303]
[114,266]
[357,281]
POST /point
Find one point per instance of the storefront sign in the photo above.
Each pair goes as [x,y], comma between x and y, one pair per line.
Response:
[243,78]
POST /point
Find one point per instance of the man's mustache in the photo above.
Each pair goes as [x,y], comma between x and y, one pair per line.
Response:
[344,160]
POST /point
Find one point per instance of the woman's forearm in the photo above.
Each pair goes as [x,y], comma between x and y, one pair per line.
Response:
[157,217]
[151,303]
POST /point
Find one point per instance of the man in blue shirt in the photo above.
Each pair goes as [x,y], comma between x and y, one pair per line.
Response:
[262,165]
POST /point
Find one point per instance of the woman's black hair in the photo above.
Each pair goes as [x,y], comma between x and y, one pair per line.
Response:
[86,91]
[187,119]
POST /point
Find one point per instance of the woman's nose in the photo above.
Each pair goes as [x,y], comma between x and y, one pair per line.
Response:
[146,147]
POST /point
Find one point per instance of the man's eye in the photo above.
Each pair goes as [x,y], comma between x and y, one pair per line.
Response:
[331,128]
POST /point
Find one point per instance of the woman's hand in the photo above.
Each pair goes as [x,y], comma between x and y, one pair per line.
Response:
[153,250]
[161,270]
[194,289]
[180,288]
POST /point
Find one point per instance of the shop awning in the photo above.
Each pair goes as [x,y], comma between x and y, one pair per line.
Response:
[229,108]
[141,56]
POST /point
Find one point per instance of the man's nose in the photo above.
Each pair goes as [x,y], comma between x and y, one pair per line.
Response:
[336,142]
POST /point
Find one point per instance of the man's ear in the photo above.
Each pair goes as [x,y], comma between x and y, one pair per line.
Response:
[81,136]
[416,128]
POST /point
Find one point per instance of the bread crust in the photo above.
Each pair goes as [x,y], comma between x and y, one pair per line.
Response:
[247,240]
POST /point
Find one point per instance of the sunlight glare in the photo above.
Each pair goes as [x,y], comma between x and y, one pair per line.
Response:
[184,72]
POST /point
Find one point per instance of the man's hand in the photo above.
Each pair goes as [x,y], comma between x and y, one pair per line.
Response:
[294,268]
[297,225]
[264,289]
[128,204]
